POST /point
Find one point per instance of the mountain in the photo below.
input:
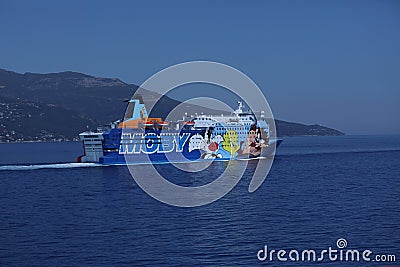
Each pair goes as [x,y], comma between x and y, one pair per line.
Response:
[57,106]
[285,128]
[21,120]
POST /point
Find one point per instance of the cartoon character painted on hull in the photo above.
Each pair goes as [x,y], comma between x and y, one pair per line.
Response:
[228,145]
[257,139]
[209,145]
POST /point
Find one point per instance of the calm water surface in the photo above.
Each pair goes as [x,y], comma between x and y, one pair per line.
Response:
[319,189]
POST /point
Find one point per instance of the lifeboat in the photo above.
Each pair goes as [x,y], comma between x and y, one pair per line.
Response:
[155,123]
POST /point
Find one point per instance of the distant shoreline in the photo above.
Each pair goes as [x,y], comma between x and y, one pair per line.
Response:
[281,137]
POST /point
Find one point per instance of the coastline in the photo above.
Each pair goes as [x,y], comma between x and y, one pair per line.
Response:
[280,137]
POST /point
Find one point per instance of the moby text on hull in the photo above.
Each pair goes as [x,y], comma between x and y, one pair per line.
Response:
[139,138]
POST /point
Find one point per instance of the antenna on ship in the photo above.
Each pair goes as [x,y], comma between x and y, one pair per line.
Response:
[240,108]
[240,103]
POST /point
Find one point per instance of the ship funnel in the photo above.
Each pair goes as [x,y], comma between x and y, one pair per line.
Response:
[136,109]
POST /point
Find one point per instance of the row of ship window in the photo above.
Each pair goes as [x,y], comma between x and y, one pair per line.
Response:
[221,130]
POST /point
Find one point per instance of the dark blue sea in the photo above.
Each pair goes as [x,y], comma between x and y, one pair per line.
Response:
[319,189]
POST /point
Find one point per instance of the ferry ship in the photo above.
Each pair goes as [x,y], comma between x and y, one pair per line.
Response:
[139,138]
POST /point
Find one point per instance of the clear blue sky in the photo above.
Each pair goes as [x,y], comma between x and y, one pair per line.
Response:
[336,63]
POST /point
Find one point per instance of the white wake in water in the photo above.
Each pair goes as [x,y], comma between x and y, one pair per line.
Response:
[47,166]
